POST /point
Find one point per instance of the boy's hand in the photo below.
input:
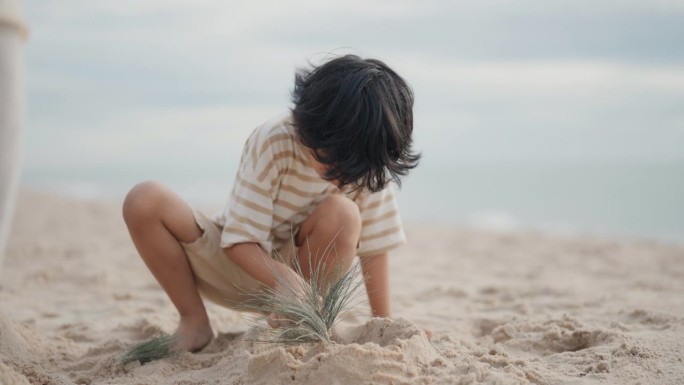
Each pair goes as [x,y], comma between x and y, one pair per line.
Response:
[284,281]
[291,285]
[276,320]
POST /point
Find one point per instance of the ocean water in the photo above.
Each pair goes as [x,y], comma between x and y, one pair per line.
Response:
[605,199]
[625,200]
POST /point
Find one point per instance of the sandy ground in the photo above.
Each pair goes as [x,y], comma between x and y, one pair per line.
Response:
[513,308]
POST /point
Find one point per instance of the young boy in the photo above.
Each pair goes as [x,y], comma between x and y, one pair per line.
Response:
[321,172]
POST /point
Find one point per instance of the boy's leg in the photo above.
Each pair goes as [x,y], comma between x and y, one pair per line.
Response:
[335,220]
[158,220]
[331,234]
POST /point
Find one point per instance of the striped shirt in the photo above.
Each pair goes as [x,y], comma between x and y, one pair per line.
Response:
[276,189]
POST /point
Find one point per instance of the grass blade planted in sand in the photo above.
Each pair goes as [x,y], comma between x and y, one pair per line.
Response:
[153,349]
[313,307]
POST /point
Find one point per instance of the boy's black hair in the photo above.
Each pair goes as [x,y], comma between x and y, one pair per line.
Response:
[357,117]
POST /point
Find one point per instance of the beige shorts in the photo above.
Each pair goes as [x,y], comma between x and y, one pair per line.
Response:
[218,278]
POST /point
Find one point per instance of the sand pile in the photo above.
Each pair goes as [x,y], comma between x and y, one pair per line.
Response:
[379,351]
[14,352]
[505,308]
[25,355]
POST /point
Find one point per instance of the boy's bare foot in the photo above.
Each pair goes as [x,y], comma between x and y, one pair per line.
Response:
[194,335]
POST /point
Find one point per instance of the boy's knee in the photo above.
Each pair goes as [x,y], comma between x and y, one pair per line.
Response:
[143,200]
[341,216]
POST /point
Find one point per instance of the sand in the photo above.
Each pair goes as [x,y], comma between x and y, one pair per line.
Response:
[505,308]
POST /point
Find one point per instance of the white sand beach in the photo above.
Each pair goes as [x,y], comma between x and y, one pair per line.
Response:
[505,308]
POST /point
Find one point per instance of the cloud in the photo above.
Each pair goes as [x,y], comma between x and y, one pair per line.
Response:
[125,80]
[505,30]
[549,74]
[187,135]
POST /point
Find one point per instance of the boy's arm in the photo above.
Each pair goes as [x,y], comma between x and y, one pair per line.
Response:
[375,270]
[256,262]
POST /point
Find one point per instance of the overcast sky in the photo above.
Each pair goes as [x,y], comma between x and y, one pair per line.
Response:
[131,81]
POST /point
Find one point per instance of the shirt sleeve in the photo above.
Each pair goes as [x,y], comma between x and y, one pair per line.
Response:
[249,212]
[381,228]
